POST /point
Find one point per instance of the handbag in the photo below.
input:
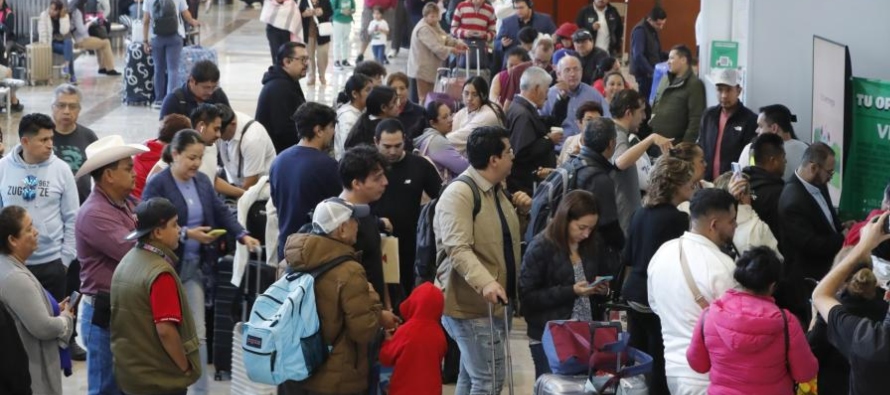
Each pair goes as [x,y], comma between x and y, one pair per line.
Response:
[687,274]
[324,28]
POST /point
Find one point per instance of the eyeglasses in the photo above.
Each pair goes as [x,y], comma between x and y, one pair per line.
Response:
[29,190]
[70,106]
[303,59]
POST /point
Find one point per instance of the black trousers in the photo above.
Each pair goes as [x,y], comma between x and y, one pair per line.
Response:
[53,276]
[645,335]
[276,38]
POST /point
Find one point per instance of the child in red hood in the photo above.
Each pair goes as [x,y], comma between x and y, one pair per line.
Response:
[417,348]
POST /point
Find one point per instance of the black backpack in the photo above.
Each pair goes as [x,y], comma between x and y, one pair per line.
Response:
[550,192]
[165,18]
[427,258]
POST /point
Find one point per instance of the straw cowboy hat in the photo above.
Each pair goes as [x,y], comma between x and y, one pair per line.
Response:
[108,150]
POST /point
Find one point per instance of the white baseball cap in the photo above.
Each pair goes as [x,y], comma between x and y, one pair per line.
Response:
[333,212]
[730,77]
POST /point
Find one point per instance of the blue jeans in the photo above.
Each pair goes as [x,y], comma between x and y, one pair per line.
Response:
[473,337]
[66,48]
[100,374]
[379,52]
[166,51]
[542,365]
[193,284]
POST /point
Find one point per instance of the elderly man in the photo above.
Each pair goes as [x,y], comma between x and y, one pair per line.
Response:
[680,99]
[508,35]
[70,139]
[727,127]
[569,86]
[542,55]
[530,135]
[106,218]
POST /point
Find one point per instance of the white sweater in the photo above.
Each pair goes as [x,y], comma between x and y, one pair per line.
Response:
[671,299]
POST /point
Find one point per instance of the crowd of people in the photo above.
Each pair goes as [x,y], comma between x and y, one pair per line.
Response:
[734,279]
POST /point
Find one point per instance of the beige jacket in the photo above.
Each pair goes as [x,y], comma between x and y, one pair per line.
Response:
[430,46]
[475,249]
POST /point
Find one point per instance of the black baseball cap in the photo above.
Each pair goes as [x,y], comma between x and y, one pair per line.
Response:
[152,214]
[581,35]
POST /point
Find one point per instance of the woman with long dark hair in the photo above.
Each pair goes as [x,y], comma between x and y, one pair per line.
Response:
[478,111]
[352,102]
[382,103]
[317,45]
[558,268]
[434,145]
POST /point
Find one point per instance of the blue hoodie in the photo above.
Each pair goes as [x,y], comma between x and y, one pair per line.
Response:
[53,208]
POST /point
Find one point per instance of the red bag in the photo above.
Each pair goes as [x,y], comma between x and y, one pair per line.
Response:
[567,345]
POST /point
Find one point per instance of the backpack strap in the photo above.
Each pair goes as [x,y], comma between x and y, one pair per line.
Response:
[317,272]
[687,274]
[787,341]
[477,196]
[240,155]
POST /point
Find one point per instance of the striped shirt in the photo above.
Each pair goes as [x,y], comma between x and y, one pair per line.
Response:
[467,18]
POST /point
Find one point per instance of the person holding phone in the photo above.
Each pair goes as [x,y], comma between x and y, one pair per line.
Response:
[43,324]
[564,271]
[200,211]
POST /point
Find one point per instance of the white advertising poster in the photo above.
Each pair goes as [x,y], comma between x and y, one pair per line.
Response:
[829,74]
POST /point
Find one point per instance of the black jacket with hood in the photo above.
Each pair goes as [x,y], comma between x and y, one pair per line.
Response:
[766,189]
[279,99]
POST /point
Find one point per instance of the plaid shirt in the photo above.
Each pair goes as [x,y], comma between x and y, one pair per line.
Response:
[469,19]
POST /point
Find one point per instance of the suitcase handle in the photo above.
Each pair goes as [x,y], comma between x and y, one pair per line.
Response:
[508,358]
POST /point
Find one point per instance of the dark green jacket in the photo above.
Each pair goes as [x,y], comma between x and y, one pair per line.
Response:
[141,364]
[679,104]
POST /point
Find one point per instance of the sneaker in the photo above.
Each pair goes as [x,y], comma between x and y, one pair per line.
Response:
[345,63]
[385,61]
[156,105]
[337,65]
[77,353]
[17,107]
[359,59]
[112,72]
[103,71]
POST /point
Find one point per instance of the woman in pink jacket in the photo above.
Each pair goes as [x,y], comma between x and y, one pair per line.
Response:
[749,345]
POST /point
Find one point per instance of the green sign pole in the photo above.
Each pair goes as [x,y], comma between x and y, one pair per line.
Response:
[868,167]
[724,54]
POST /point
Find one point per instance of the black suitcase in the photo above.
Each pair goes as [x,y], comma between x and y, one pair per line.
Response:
[224,297]
[138,76]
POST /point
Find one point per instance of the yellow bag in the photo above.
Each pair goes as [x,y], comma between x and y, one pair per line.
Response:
[808,388]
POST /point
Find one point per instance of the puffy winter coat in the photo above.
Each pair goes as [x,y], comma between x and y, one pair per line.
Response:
[743,346]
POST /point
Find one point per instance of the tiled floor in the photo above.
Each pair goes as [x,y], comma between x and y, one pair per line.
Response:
[239,37]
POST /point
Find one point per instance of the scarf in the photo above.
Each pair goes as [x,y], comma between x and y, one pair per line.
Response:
[64,354]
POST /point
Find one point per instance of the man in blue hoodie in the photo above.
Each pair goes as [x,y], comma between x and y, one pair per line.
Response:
[32,177]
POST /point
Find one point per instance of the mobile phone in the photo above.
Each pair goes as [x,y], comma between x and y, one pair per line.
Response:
[599,280]
[216,232]
[736,168]
[73,299]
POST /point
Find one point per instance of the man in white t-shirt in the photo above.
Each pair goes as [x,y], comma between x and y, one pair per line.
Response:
[604,22]
[712,226]
[245,148]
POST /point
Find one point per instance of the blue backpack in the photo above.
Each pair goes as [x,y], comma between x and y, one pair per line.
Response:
[283,340]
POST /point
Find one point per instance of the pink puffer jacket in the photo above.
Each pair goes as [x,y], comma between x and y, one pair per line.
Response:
[744,347]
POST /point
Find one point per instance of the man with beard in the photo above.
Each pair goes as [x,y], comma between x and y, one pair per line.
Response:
[304,175]
[704,269]
[282,94]
[409,176]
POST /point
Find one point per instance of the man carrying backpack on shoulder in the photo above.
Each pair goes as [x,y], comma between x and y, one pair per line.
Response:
[347,305]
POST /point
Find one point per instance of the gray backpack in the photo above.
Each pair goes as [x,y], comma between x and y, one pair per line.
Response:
[165,18]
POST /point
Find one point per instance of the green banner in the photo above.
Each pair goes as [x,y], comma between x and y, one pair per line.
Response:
[868,167]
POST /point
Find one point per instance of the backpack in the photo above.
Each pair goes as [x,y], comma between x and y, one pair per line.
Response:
[427,258]
[550,192]
[165,18]
[283,340]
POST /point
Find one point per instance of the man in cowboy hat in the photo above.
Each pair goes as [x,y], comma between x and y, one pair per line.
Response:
[107,216]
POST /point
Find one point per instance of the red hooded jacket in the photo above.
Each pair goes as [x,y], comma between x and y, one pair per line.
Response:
[418,347]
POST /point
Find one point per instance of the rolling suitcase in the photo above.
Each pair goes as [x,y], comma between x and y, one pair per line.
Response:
[240,383]
[138,76]
[554,384]
[39,63]
[440,91]
[193,54]
[224,297]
